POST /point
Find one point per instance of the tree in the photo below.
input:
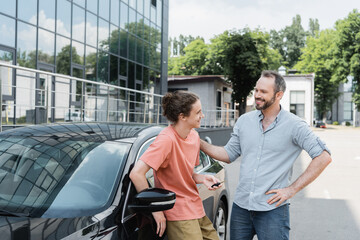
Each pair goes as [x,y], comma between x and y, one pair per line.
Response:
[271,58]
[316,58]
[289,41]
[242,66]
[195,55]
[347,53]
[295,40]
[314,28]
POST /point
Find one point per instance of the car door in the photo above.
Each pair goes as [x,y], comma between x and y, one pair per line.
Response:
[138,225]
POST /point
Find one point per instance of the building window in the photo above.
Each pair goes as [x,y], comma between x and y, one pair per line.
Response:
[297,103]
[348,109]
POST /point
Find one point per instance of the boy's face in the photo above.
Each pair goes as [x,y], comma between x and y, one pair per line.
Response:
[195,116]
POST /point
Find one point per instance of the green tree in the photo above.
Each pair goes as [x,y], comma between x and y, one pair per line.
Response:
[295,40]
[195,55]
[314,28]
[316,58]
[347,53]
[271,58]
[243,66]
[289,41]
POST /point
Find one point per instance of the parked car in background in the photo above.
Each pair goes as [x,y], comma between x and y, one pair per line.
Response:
[320,124]
[71,181]
[76,117]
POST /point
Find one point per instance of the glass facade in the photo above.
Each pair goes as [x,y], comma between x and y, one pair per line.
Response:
[113,41]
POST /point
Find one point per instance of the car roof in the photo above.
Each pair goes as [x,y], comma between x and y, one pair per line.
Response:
[80,131]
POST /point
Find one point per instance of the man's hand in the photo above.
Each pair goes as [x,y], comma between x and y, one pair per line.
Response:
[280,195]
[160,222]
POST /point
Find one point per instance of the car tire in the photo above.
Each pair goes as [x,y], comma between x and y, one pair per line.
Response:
[220,220]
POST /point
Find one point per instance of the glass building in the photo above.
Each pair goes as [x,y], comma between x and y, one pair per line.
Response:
[120,42]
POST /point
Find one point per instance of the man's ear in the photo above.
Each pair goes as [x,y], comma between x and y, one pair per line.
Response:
[279,95]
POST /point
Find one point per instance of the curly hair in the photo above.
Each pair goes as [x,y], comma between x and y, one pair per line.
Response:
[175,103]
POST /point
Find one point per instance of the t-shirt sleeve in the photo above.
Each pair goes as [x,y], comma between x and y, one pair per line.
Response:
[156,155]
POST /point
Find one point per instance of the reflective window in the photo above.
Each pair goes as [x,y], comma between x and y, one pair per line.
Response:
[114,39]
[63,17]
[132,21]
[46,46]
[26,45]
[91,29]
[77,53]
[8,7]
[132,47]
[159,12]
[63,55]
[123,67]
[123,15]
[115,7]
[114,70]
[90,59]
[132,3]
[92,5]
[123,43]
[153,14]
[80,2]
[103,41]
[78,32]
[147,31]
[27,10]
[147,8]
[140,6]
[139,51]
[104,8]
[47,14]
[103,63]
[7,28]
[140,25]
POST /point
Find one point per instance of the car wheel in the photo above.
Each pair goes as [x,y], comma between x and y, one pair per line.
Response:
[220,220]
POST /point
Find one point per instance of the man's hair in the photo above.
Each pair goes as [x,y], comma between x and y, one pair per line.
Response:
[175,103]
[280,84]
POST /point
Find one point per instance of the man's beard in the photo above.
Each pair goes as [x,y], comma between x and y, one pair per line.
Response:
[266,103]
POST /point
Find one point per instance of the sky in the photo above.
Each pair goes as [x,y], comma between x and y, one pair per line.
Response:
[207,18]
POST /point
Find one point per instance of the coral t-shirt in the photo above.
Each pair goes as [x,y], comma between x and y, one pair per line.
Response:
[173,160]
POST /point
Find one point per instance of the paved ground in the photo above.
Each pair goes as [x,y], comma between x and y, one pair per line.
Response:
[329,208]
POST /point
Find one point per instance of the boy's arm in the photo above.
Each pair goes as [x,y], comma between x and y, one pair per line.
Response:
[138,177]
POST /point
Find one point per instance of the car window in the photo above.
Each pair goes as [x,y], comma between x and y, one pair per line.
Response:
[52,177]
[204,162]
[149,174]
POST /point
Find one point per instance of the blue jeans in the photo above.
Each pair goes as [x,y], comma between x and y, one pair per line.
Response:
[267,225]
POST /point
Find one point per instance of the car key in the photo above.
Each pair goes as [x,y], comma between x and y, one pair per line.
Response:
[217,184]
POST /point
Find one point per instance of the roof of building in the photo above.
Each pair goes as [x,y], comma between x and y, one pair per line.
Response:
[199,78]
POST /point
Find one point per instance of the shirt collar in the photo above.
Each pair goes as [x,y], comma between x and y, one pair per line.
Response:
[278,117]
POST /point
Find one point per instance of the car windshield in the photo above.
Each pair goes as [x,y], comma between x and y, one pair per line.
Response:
[52,177]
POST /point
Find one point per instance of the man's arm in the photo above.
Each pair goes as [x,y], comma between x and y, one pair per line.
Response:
[314,169]
[216,152]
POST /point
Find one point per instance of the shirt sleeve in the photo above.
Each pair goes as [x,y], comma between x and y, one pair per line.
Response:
[233,145]
[156,155]
[304,137]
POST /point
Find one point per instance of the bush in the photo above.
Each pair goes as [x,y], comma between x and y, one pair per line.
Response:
[347,123]
[336,123]
[21,120]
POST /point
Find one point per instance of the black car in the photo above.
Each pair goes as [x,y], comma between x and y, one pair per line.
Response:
[71,181]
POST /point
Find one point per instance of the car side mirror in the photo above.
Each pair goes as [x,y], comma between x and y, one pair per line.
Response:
[153,200]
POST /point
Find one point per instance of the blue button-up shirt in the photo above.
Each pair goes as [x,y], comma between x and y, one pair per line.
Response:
[268,156]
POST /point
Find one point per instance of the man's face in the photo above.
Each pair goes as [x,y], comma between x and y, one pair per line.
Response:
[195,116]
[264,94]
